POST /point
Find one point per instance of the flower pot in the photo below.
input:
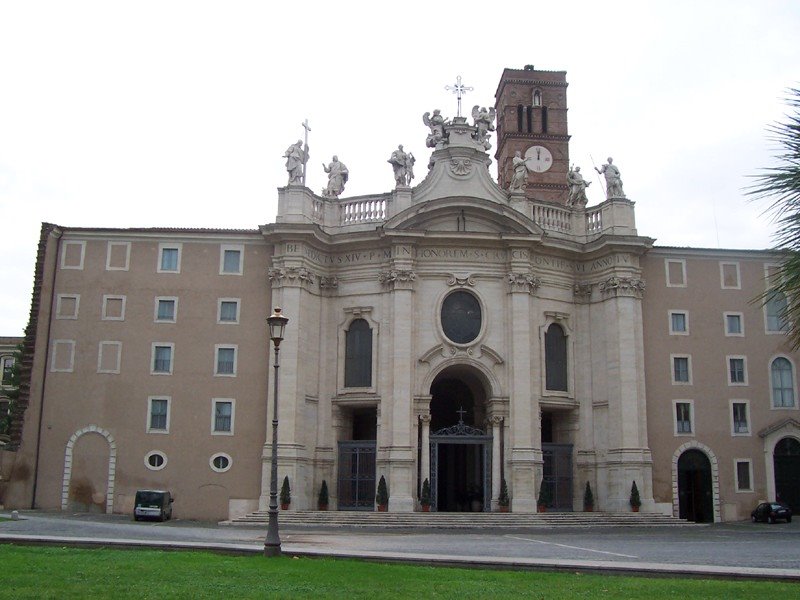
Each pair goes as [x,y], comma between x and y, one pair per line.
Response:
[284,506]
[323,507]
[541,508]
[635,508]
[382,507]
[503,509]
[589,508]
[426,508]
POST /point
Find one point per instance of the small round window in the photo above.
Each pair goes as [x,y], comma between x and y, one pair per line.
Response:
[155,460]
[461,317]
[220,462]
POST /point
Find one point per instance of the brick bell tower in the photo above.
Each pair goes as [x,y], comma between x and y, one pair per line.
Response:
[532,118]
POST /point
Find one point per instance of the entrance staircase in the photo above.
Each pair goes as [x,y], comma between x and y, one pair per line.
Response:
[442,520]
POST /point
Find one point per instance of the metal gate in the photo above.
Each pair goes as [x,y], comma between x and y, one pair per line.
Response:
[466,435]
[557,474]
[356,481]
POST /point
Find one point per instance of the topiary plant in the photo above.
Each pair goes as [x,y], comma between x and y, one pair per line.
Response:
[286,495]
[588,498]
[382,497]
[425,495]
[322,501]
[503,499]
[635,501]
[544,495]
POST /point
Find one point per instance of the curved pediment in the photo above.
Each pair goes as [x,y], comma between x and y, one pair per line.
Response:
[460,214]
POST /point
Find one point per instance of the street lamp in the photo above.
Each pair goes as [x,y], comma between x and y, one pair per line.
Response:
[272,545]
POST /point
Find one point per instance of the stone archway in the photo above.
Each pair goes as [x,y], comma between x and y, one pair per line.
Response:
[786,462]
[69,464]
[693,466]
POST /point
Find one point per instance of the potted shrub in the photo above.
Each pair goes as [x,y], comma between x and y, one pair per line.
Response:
[425,496]
[588,499]
[382,497]
[544,497]
[286,494]
[503,500]
[635,501]
[322,501]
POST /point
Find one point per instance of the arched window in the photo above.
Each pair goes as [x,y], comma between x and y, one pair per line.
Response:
[529,110]
[776,311]
[555,356]
[358,355]
[537,98]
[519,118]
[782,383]
[544,119]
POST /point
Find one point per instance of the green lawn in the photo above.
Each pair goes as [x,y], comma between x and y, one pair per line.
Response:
[47,572]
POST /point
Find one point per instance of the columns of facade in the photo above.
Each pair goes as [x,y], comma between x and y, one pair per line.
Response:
[400,454]
[525,434]
[497,460]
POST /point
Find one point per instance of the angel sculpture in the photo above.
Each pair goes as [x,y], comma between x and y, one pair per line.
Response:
[484,121]
[436,123]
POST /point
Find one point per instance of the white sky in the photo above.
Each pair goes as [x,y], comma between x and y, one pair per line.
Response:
[177,113]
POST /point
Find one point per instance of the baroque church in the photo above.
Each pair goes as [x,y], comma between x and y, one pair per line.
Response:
[464,331]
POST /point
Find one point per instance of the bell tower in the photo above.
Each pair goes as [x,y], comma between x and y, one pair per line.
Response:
[532,119]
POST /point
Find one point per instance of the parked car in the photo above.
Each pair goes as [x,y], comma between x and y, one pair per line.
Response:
[153,504]
[771,512]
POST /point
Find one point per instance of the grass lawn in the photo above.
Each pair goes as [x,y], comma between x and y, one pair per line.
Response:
[48,572]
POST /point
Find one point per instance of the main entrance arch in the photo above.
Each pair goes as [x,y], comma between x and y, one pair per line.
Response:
[695,491]
[786,461]
[460,450]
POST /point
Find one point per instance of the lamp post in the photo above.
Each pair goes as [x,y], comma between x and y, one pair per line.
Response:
[272,545]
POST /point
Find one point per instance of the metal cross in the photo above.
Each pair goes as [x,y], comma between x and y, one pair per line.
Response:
[459,89]
[305,149]
[461,412]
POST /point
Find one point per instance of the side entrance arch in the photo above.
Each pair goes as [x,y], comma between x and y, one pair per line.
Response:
[786,462]
[695,487]
[89,470]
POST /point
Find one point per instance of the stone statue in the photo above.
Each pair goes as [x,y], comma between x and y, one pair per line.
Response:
[577,188]
[399,160]
[436,123]
[613,180]
[410,160]
[337,177]
[296,158]
[484,121]
[520,177]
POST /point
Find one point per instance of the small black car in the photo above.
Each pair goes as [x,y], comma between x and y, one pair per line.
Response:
[771,512]
[153,504]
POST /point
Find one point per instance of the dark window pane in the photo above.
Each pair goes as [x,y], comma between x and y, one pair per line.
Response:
[358,355]
[461,317]
[555,351]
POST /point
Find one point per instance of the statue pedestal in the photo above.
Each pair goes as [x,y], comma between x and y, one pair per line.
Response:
[518,201]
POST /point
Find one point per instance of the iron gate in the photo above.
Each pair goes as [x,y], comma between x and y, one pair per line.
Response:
[356,481]
[558,474]
[462,434]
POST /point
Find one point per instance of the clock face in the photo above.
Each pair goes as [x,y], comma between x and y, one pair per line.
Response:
[538,159]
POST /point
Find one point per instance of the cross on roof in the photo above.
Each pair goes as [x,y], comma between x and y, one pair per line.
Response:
[461,412]
[459,89]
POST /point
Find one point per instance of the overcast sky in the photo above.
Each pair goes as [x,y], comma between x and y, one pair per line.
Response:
[176,114]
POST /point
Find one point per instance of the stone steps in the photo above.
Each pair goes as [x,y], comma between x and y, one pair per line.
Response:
[420,520]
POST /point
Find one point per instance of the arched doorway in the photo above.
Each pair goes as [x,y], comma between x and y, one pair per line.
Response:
[460,450]
[786,460]
[695,493]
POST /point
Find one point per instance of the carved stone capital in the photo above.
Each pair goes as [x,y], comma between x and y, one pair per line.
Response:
[398,279]
[524,282]
[290,276]
[328,283]
[461,281]
[582,291]
[425,419]
[622,286]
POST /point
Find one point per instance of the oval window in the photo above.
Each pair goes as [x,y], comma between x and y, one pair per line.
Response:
[461,317]
[220,462]
[155,460]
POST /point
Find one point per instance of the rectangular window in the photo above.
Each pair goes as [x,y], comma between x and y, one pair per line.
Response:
[681,369]
[775,303]
[162,359]
[734,324]
[8,367]
[169,258]
[158,414]
[222,417]
[729,275]
[744,475]
[226,360]
[72,254]
[118,256]
[67,306]
[676,272]
[114,308]
[63,356]
[166,309]
[737,370]
[739,414]
[230,260]
[678,322]
[109,357]
[228,310]
[683,418]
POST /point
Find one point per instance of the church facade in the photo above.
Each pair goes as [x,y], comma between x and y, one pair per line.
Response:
[465,331]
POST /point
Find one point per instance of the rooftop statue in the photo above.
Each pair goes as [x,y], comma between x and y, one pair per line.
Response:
[337,177]
[436,123]
[520,177]
[403,164]
[296,158]
[613,180]
[484,122]
[577,188]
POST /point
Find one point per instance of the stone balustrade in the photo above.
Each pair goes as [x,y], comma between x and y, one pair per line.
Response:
[297,204]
